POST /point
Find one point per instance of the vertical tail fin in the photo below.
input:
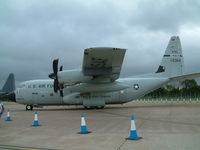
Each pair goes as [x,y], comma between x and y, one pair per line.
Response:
[172,63]
[9,85]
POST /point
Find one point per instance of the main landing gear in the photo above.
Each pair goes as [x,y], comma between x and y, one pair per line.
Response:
[29,107]
[93,107]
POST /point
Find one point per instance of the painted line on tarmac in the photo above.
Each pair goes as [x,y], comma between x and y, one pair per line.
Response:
[121,145]
[21,148]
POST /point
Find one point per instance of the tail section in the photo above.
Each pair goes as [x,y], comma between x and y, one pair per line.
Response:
[9,85]
[172,63]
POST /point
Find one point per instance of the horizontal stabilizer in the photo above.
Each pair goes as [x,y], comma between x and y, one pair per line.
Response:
[185,77]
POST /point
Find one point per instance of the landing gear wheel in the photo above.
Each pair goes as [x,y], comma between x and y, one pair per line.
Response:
[99,107]
[87,107]
[102,107]
[29,107]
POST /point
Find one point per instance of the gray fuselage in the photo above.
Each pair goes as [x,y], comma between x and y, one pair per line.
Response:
[41,93]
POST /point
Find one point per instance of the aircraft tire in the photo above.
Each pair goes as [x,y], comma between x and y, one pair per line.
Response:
[96,107]
[29,107]
[87,107]
[99,107]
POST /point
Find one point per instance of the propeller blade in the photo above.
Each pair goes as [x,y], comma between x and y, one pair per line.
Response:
[61,93]
[55,66]
[55,85]
[61,68]
[52,76]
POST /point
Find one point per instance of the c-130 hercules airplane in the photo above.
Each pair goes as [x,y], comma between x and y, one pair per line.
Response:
[97,83]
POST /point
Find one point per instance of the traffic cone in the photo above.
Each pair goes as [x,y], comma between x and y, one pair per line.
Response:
[8,118]
[36,122]
[133,133]
[83,126]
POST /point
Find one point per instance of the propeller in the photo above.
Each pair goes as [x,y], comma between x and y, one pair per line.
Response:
[61,90]
[54,76]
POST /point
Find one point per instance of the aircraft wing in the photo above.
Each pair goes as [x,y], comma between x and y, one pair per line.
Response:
[103,63]
[184,77]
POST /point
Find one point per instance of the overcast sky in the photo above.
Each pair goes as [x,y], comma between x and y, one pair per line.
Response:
[34,32]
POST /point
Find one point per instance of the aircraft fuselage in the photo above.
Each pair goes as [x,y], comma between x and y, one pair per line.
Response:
[41,93]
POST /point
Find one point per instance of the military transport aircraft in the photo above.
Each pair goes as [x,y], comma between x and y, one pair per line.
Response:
[97,83]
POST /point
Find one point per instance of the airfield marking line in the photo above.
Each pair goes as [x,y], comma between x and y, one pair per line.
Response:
[20,148]
[121,145]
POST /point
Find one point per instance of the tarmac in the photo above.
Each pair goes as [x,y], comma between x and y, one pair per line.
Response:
[162,126]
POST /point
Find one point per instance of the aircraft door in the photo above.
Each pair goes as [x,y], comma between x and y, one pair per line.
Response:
[35,96]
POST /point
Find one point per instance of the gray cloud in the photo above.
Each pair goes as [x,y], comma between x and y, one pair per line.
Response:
[35,32]
[166,16]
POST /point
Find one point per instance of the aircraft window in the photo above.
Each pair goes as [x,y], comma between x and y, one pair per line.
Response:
[34,86]
[34,93]
[29,86]
[49,85]
[41,86]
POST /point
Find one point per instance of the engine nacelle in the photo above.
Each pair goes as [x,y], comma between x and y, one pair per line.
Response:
[72,77]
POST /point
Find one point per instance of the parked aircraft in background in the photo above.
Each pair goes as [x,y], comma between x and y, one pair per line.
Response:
[98,84]
[9,85]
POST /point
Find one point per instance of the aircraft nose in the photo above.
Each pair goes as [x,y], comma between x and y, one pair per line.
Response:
[11,97]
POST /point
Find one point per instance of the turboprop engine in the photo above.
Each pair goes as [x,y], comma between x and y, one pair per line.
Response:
[67,77]
[71,77]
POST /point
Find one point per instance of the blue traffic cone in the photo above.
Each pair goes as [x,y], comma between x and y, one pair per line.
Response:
[83,126]
[8,118]
[36,122]
[133,133]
